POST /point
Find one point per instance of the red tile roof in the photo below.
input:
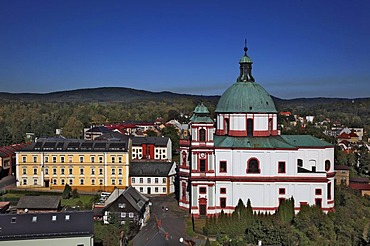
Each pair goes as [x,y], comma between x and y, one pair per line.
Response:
[359,186]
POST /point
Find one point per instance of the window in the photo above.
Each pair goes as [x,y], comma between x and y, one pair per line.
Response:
[119,171]
[62,159]
[113,181]
[156,180]
[70,170]
[113,159]
[123,215]
[223,167]
[81,171]
[318,202]
[300,163]
[119,159]
[202,135]
[141,180]
[46,158]
[223,202]
[35,159]
[54,181]
[54,159]
[62,171]
[253,166]
[156,189]
[24,159]
[281,167]
[149,180]
[141,189]
[34,219]
[92,171]
[92,181]
[223,190]
[164,189]
[24,171]
[54,218]
[35,171]
[131,215]
[250,127]
[113,171]
[13,220]
[54,171]
[66,218]
[24,181]
[100,182]
[133,180]
[202,190]
[327,165]
[81,159]
[281,191]
[81,181]
[70,181]
[329,191]
[92,159]
[100,159]
[100,171]
[62,182]
[163,180]
[70,158]
[202,165]
[119,181]
[121,205]
[35,182]
[46,171]
[318,192]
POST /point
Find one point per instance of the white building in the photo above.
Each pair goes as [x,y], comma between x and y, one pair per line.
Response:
[245,158]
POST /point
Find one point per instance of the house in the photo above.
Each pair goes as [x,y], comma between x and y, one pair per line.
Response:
[4,206]
[7,159]
[352,137]
[242,156]
[94,132]
[82,164]
[153,178]
[126,205]
[152,148]
[44,229]
[363,188]
[38,204]
[341,174]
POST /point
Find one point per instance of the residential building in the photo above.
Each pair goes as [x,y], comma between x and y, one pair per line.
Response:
[7,159]
[152,148]
[82,164]
[153,178]
[126,205]
[244,157]
[341,174]
[94,132]
[44,229]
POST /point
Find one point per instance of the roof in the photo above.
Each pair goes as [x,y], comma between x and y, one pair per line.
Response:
[113,136]
[73,145]
[201,109]
[271,142]
[245,97]
[359,186]
[39,202]
[341,167]
[42,225]
[150,169]
[359,180]
[101,129]
[135,198]
[157,141]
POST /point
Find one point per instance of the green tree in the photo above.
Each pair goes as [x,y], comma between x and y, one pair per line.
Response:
[67,192]
[73,128]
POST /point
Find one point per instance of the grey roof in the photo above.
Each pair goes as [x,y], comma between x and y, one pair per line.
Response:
[39,202]
[150,169]
[114,195]
[113,136]
[101,129]
[41,225]
[135,198]
[157,141]
[76,145]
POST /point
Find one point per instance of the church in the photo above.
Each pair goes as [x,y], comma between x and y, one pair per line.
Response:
[242,156]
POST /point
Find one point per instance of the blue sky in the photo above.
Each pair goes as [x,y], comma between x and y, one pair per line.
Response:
[299,48]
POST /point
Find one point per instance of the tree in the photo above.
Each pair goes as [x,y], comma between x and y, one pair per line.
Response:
[73,128]
[67,192]
[75,193]
[171,132]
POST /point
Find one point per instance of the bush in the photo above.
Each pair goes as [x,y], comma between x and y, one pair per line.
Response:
[75,193]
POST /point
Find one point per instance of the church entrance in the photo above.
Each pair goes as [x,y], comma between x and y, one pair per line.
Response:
[202,206]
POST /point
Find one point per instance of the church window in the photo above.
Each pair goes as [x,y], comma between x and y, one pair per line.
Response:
[223,190]
[223,202]
[318,192]
[202,135]
[253,166]
[250,127]
[202,165]
[327,165]
[270,126]
[223,166]
[281,167]
[299,162]
[202,190]
[227,126]
[281,191]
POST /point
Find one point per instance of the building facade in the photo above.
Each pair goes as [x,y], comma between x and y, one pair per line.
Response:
[152,148]
[84,165]
[244,157]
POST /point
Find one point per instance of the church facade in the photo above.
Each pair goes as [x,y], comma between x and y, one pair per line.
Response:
[242,156]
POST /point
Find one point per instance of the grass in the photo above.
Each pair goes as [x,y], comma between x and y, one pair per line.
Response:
[84,199]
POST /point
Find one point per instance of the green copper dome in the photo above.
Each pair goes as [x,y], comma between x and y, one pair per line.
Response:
[245,59]
[245,97]
[201,109]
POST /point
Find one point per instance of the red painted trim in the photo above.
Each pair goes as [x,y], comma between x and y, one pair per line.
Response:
[330,175]
[238,133]
[194,207]
[260,179]
[331,202]
[197,184]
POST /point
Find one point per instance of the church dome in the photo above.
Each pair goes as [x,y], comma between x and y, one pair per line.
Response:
[245,96]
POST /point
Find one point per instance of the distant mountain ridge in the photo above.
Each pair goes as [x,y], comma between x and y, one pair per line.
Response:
[122,94]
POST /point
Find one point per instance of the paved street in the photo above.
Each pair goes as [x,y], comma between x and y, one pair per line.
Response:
[171,222]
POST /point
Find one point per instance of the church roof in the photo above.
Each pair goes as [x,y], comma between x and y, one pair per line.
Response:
[271,142]
[201,114]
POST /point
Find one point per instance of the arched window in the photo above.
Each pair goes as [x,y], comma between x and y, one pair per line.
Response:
[202,135]
[327,165]
[253,166]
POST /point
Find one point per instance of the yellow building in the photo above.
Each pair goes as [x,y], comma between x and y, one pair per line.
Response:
[84,165]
